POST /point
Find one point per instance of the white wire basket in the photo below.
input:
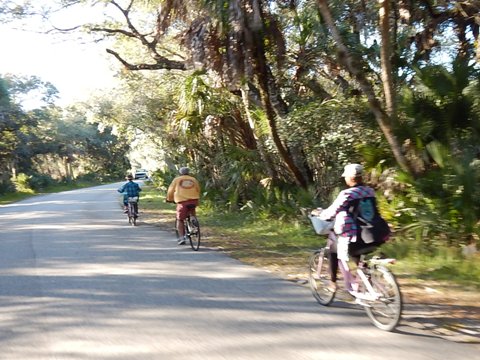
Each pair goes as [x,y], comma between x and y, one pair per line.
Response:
[322,227]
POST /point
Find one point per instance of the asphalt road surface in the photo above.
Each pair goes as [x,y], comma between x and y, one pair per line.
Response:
[77,282]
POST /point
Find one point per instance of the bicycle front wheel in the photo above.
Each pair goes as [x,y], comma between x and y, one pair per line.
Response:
[319,276]
[194,233]
[385,312]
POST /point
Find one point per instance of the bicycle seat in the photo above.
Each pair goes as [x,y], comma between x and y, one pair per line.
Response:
[191,206]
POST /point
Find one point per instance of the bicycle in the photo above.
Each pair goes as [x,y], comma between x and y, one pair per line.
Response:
[132,210]
[191,228]
[375,286]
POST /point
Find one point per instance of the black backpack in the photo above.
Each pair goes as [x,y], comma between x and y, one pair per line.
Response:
[372,229]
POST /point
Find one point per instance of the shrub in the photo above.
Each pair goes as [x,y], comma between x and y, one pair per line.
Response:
[22,183]
[6,187]
[40,181]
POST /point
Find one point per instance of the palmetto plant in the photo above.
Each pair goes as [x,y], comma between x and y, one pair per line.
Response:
[442,105]
[442,117]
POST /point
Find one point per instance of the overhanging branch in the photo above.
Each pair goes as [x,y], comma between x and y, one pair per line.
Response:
[162,63]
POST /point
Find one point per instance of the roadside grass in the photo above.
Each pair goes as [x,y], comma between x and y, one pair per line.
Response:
[12,197]
[286,246]
[21,195]
[461,271]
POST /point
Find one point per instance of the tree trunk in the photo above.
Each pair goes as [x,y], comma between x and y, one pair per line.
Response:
[13,168]
[355,69]
[254,40]
[66,167]
[263,153]
[386,57]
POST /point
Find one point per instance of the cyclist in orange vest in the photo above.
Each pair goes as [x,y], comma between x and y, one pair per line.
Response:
[184,190]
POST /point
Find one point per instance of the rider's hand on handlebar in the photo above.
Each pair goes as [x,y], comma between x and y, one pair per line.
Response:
[316,212]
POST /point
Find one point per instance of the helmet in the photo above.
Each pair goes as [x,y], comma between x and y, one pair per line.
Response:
[184,170]
[129,177]
[352,170]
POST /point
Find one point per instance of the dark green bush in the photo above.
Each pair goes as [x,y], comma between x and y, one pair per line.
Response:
[6,187]
[40,181]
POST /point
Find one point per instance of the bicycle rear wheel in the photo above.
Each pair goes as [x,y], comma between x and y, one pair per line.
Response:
[132,218]
[176,229]
[319,276]
[194,232]
[135,213]
[385,312]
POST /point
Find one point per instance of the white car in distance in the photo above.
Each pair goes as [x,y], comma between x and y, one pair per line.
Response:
[141,174]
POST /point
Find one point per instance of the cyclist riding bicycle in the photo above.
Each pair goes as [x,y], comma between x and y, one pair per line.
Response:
[129,189]
[184,191]
[342,210]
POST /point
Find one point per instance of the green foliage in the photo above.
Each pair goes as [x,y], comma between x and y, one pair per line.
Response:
[162,178]
[6,187]
[440,262]
[22,183]
[442,208]
[31,88]
[333,133]
[38,182]
[442,106]
[49,142]
[32,183]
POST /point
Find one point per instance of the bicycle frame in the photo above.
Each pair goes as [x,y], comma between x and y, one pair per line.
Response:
[352,284]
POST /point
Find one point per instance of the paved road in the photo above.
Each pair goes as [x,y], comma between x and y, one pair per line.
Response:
[77,282]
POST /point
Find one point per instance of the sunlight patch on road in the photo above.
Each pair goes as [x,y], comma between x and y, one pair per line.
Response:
[94,349]
[68,227]
[144,268]
[29,215]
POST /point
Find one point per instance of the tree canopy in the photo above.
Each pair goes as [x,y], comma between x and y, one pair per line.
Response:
[49,141]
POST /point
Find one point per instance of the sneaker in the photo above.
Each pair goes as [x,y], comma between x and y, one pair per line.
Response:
[125,211]
[181,241]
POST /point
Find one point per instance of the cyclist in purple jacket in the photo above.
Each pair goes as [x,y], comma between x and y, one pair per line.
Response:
[341,210]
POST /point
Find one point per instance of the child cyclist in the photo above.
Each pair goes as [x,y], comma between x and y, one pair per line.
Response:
[129,189]
[341,210]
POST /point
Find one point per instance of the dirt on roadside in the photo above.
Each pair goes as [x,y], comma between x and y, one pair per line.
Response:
[439,308]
